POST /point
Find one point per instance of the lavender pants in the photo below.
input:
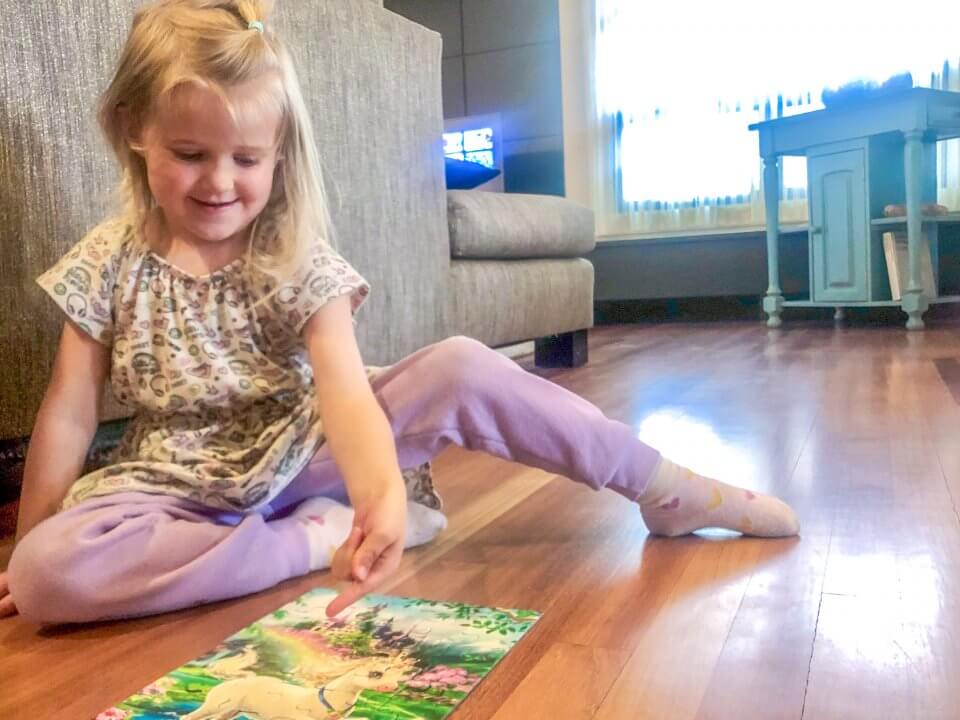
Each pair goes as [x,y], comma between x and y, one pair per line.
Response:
[136,554]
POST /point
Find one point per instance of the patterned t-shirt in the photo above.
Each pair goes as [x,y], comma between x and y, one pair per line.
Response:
[221,385]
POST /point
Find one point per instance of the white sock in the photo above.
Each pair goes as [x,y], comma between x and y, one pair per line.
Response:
[328,523]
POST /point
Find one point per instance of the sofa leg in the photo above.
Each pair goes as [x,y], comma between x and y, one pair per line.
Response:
[564,350]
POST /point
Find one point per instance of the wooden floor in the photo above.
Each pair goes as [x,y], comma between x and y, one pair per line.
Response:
[858,618]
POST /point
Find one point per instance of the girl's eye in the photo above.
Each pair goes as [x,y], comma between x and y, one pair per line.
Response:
[241,160]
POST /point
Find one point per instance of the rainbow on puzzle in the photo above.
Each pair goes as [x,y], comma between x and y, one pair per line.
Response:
[385,658]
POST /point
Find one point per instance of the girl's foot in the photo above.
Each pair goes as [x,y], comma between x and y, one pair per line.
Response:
[423,524]
[677,501]
[328,523]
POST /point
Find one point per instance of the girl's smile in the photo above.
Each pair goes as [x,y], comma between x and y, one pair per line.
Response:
[213,206]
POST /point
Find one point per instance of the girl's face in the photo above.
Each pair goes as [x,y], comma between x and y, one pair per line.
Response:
[211,176]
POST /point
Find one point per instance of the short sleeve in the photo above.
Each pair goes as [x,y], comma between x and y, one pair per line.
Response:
[82,281]
[324,277]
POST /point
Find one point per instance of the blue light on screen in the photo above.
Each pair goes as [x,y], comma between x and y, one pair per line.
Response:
[471,145]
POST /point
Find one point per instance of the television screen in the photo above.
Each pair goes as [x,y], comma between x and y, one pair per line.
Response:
[474,145]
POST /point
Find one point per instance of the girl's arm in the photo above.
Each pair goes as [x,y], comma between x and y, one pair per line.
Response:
[65,426]
[361,443]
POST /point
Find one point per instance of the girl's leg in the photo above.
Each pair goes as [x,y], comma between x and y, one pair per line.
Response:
[137,554]
[459,391]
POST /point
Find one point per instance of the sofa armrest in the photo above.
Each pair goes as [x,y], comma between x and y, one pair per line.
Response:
[372,83]
[487,225]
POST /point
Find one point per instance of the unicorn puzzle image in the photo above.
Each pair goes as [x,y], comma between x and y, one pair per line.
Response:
[385,658]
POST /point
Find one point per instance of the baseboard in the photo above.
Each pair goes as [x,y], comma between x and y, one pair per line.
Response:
[733,308]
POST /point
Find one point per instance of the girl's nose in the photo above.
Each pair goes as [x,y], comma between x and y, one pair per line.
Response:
[220,177]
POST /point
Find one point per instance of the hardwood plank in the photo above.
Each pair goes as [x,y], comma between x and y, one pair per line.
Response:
[870,661]
[683,636]
[568,683]
[761,672]
[949,369]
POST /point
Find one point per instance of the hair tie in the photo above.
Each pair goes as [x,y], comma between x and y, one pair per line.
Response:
[255,25]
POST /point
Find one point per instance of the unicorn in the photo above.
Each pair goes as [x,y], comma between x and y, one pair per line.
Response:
[231,666]
[269,698]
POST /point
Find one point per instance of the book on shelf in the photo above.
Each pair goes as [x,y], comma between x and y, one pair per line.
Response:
[926,210]
[898,264]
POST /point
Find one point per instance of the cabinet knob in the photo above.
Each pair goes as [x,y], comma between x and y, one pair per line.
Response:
[816,230]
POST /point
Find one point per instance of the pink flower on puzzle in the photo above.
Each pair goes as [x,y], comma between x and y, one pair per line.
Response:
[445,677]
[112,714]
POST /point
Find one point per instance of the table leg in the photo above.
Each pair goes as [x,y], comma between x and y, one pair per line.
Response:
[914,302]
[773,301]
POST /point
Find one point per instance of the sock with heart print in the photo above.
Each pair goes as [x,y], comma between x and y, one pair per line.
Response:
[677,501]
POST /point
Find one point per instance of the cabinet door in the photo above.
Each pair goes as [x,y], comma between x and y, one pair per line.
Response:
[838,227]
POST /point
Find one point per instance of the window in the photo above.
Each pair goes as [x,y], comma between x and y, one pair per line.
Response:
[680,82]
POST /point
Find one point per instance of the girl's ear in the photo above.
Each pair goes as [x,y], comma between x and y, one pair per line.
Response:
[132,133]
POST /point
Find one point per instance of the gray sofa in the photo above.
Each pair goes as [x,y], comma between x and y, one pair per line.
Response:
[499,268]
[516,271]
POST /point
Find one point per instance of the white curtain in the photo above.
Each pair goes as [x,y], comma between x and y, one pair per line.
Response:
[666,91]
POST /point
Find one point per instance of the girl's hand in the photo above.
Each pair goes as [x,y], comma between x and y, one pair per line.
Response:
[374,548]
[6,600]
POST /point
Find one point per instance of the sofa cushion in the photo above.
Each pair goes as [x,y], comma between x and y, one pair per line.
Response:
[488,225]
[507,301]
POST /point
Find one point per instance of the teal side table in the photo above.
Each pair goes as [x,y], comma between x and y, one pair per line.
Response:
[860,157]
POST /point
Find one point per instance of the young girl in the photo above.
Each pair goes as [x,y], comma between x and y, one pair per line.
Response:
[223,316]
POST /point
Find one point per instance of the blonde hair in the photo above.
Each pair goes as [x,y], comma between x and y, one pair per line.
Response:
[211,43]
